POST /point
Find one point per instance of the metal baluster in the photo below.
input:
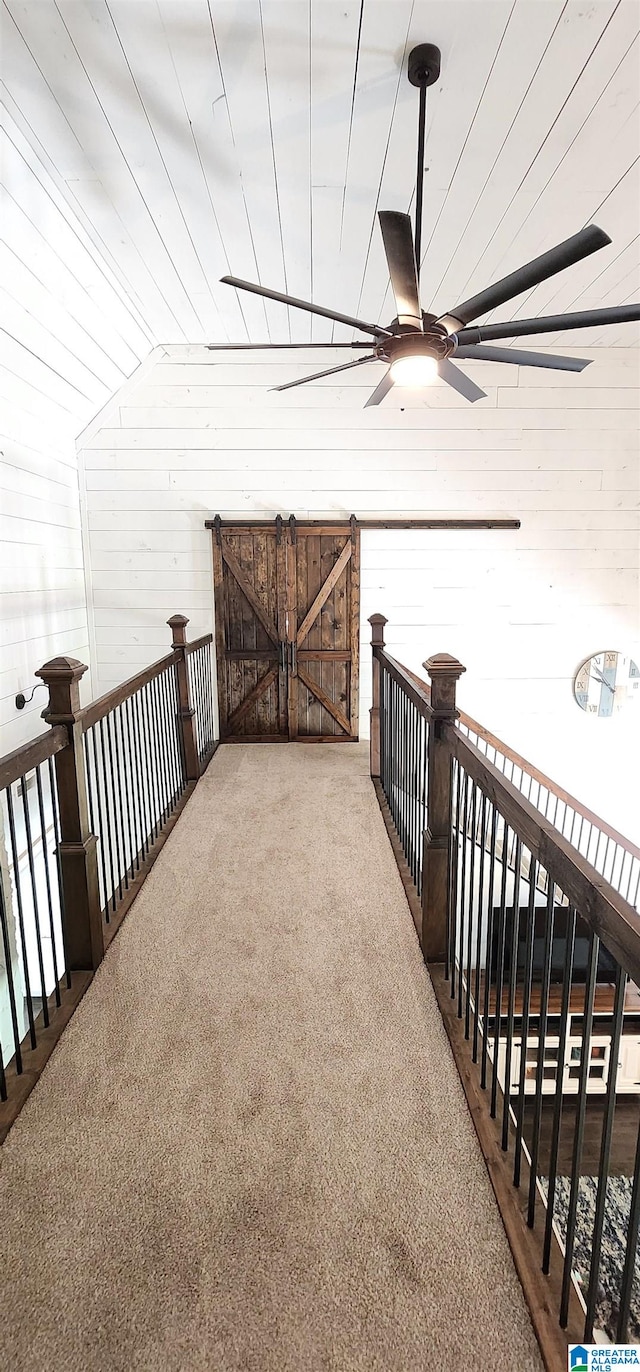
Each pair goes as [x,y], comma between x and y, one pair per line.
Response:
[628,1274]
[112,735]
[178,741]
[142,770]
[513,977]
[6,947]
[570,938]
[526,1012]
[422,824]
[56,830]
[92,812]
[393,752]
[594,944]
[127,779]
[151,762]
[481,862]
[414,793]
[18,890]
[635,894]
[452,903]
[542,1036]
[605,1152]
[499,969]
[463,893]
[167,738]
[201,707]
[34,897]
[161,744]
[47,877]
[156,754]
[396,754]
[488,961]
[108,805]
[101,830]
[135,783]
[472,863]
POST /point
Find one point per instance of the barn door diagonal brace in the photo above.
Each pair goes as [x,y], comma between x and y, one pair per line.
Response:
[324,592]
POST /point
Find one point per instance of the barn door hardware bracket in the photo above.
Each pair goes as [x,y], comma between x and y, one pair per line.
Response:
[217,524]
[292,527]
[283,654]
[354,529]
[278,530]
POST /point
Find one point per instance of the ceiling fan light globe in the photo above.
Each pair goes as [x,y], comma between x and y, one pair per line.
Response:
[414,369]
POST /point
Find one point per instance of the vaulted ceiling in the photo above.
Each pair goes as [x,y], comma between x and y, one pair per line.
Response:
[195,138]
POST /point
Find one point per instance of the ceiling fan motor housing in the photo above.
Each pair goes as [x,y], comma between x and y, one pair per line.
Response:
[436,345]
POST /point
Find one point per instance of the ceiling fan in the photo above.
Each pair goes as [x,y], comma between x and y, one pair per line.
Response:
[417,345]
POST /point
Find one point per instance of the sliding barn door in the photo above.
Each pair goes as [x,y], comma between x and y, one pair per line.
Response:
[249,573]
[287,608]
[324,624]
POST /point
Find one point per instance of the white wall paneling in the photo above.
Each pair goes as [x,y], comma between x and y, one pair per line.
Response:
[67,342]
[520,609]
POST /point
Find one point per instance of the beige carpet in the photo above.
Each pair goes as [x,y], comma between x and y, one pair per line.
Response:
[251,1149]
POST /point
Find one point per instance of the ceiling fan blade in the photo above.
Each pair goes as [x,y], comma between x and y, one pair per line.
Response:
[460,382]
[327,372]
[551,323]
[397,236]
[572,250]
[381,390]
[305,305]
[262,347]
[519,358]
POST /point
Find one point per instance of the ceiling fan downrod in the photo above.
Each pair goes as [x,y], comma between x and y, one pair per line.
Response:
[423,70]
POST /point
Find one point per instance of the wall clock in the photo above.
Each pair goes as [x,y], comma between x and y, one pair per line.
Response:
[606,683]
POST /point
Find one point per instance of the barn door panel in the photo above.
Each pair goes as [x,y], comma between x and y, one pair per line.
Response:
[251,667]
[321,690]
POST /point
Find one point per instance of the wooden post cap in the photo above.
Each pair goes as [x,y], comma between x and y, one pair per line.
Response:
[62,675]
[444,671]
[177,625]
[443,664]
[377,623]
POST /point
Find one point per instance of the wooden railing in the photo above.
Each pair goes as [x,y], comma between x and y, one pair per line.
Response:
[85,810]
[535,961]
[615,857]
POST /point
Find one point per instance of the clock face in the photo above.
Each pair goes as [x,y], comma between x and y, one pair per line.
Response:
[606,683]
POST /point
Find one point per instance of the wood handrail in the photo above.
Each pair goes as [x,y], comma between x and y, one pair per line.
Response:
[552,786]
[198,643]
[604,909]
[104,704]
[418,691]
[29,755]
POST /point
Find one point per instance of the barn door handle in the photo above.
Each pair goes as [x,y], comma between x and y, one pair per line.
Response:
[283,654]
[294,657]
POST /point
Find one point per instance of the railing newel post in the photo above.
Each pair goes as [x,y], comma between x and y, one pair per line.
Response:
[377,623]
[186,712]
[77,851]
[443,671]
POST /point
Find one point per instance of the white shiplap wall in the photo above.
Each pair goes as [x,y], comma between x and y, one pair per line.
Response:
[203,434]
[68,340]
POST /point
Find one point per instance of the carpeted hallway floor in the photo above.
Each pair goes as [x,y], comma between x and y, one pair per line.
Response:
[250,1149]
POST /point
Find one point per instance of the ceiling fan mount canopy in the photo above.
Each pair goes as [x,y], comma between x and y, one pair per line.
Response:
[418,346]
[423,68]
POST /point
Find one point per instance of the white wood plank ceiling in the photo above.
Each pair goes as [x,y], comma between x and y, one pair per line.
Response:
[195,138]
